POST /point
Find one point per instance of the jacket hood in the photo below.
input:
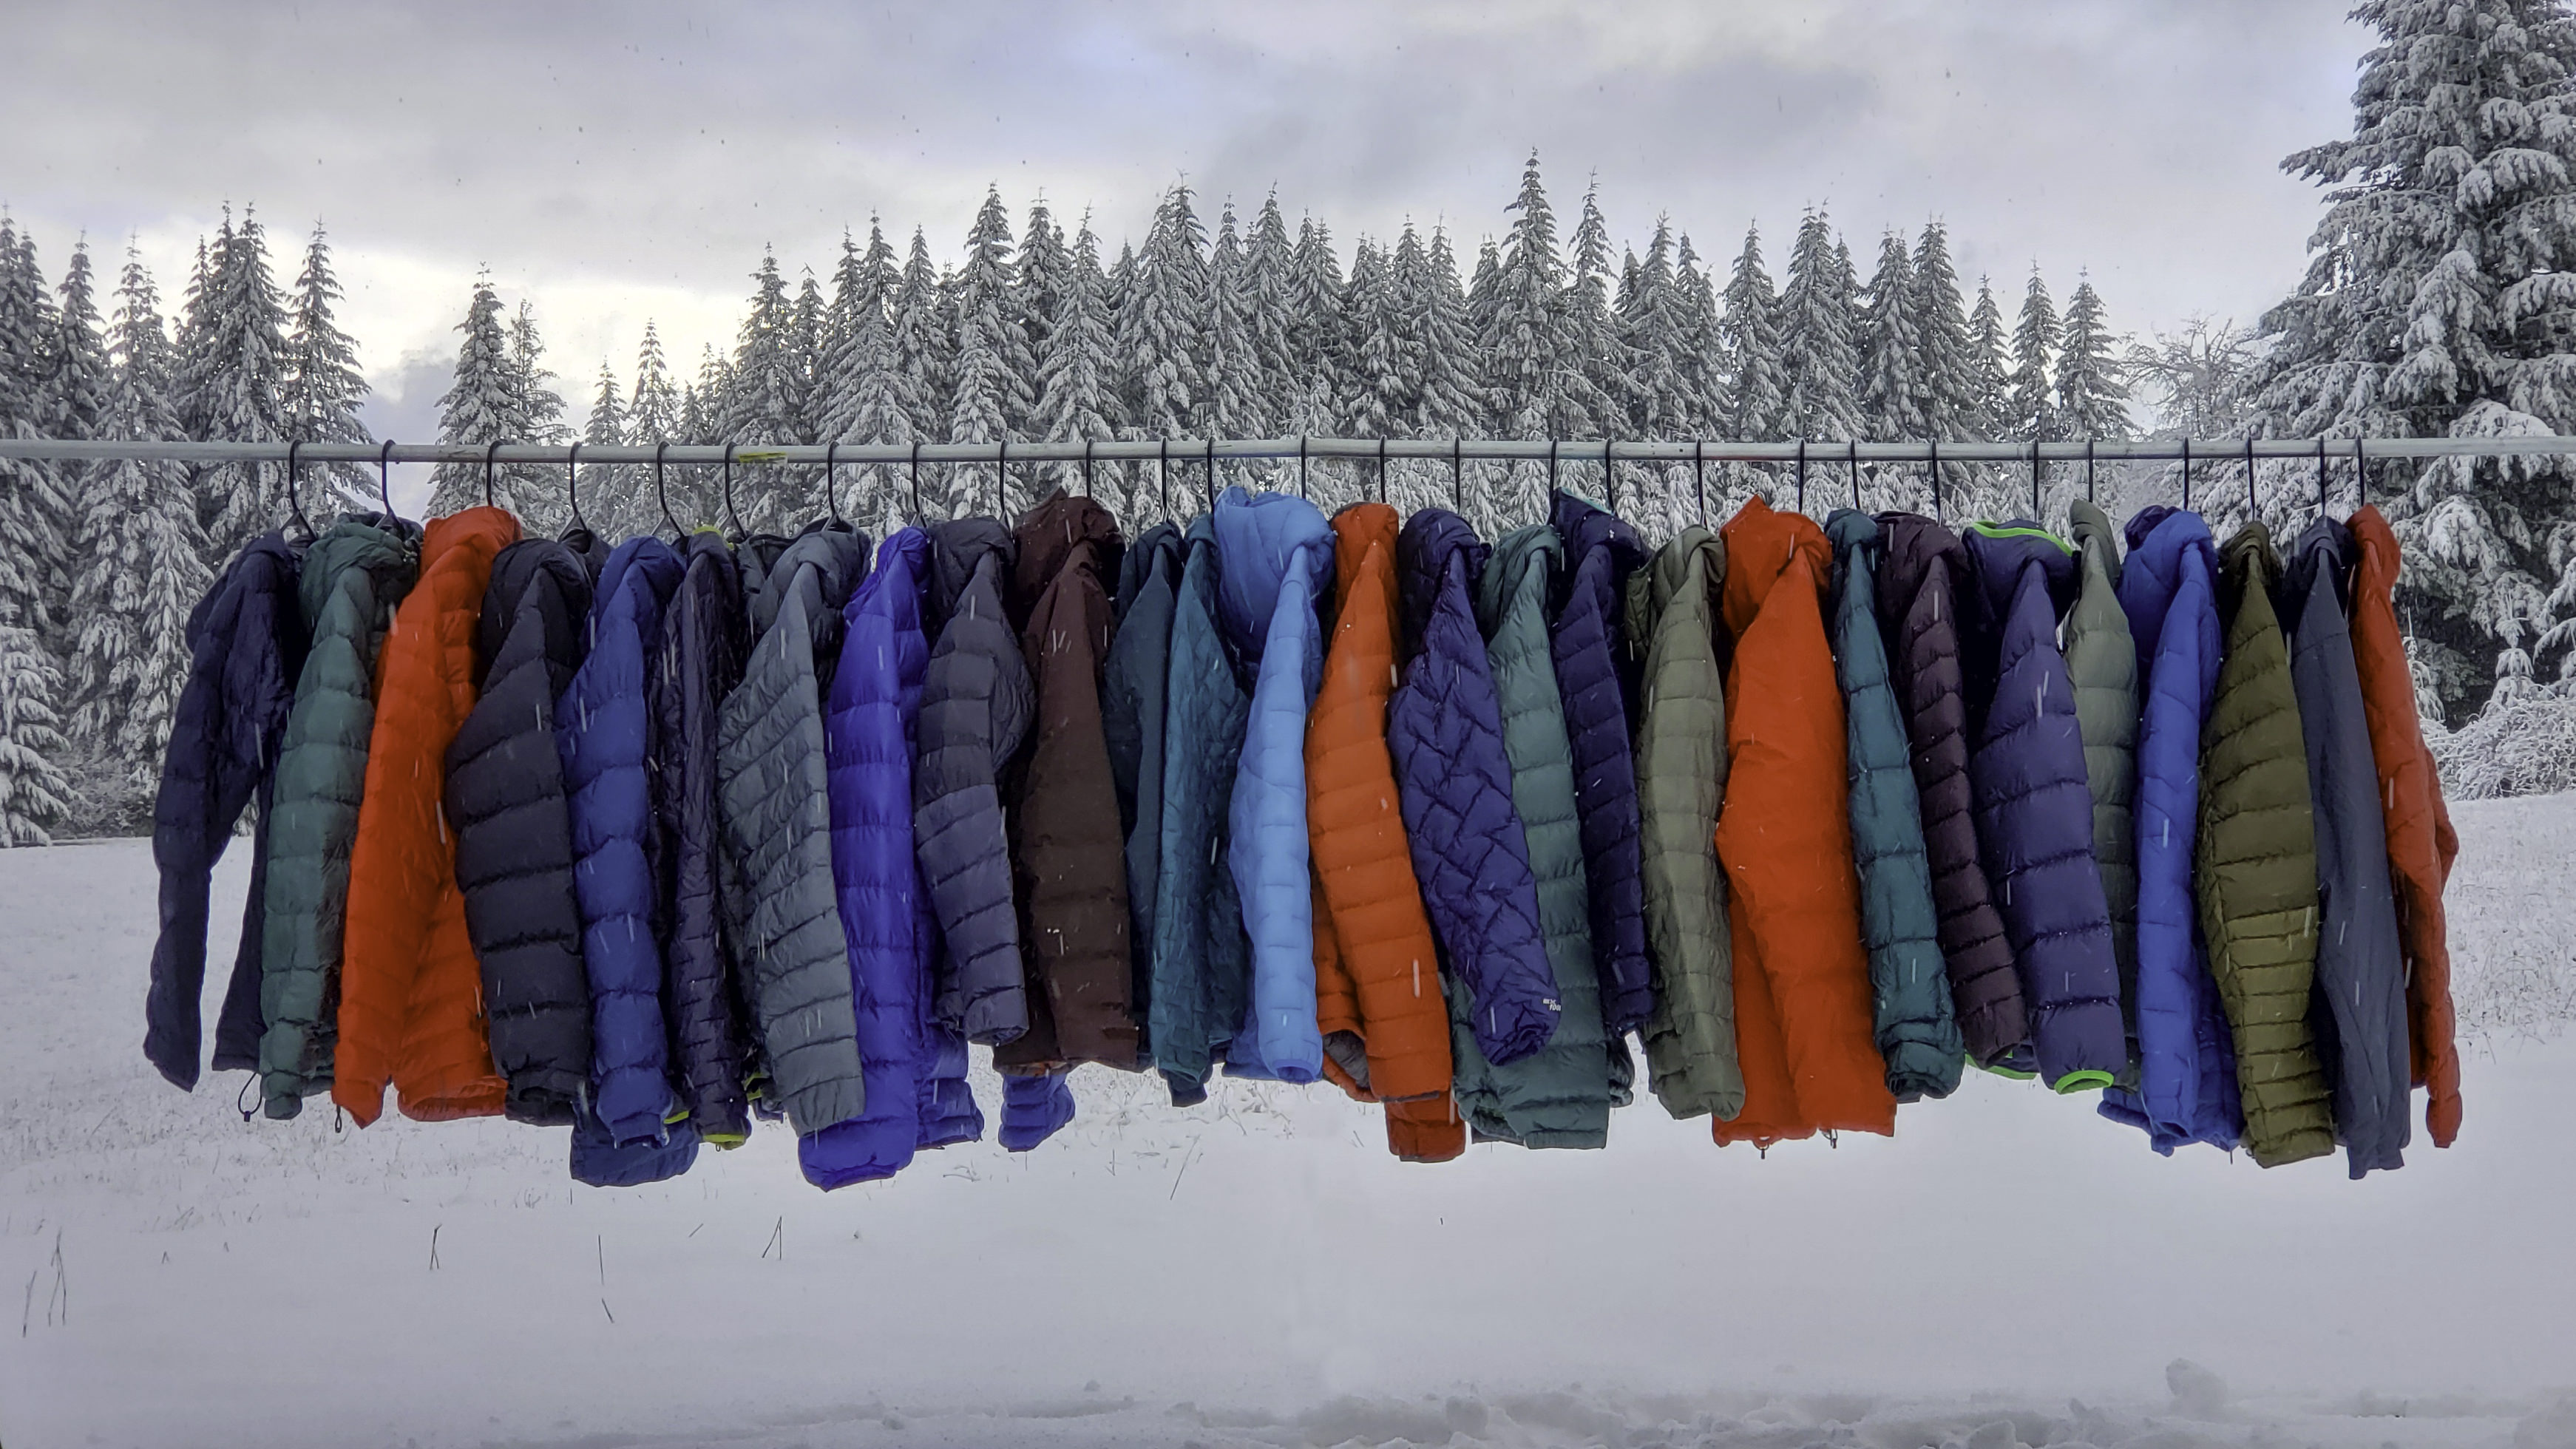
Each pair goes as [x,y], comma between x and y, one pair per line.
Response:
[1762,547]
[517,572]
[358,541]
[906,554]
[1156,553]
[1260,537]
[756,556]
[586,546]
[484,528]
[2095,534]
[1999,552]
[2326,548]
[645,563]
[1423,551]
[839,561]
[957,549]
[1911,544]
[1048,538]
[2246,559]
[1521,551]
[1356,530]
[1585,529]
[1848,529]
[2162,544]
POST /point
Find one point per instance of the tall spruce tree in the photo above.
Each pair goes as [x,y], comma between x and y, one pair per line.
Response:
[1380,403]
[1748,328]
[235,395]
[70,398]
[1270,310]
[142,566]
[2092,390]
[29,500]
[2034,347]
[1531,370]
[1077,378]
[1596,374]
[1162,329]
[1893,382]
[1953,387]
[485,403]
[1323,348]
[921,342]
[993,393]
[322,387]
[1819,353]
[1656,337]
[2437,304]
[608,495]
[1235,406]
[33,791]
[1040,275]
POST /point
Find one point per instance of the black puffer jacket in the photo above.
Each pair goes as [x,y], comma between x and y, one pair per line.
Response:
[514,858]
[976,706]
[699,662]
[245,647]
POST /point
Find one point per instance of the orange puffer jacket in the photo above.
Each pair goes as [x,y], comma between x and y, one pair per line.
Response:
[1802,992]
[2421,844]
[411,993]
[1377,980]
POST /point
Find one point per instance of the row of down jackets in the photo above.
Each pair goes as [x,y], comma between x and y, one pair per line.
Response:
[656,840]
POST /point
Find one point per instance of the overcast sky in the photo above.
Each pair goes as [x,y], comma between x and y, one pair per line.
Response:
[616,162]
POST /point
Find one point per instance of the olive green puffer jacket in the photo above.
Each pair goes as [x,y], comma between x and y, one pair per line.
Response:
[2103,661]
[2256,866]
[1681,782]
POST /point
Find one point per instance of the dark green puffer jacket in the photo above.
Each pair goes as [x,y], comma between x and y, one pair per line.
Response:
[1560,1095]
[2103,661]
[2256,866]
[1916,1027]
[1681,781]
[354,575]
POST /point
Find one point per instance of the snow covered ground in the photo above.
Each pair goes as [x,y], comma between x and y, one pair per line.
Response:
[2009,1270]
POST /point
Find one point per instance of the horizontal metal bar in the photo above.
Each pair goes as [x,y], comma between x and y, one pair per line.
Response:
[1816,453]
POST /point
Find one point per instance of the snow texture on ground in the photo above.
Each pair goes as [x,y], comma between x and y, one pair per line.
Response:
[2009,1270]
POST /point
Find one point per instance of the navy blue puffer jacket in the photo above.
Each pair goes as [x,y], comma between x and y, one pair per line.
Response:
[1132,696]
[1594,680]
[245,648]
[610,750]
[2034,807]
[1445,731]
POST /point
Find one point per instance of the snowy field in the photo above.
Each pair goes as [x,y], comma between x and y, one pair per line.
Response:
[2009,1270]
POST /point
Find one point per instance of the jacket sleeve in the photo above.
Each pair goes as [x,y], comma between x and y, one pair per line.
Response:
[1266,849]
[976,700]
[204,785]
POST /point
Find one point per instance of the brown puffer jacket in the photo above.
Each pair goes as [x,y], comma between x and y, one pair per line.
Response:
[1377,980]
[411,991]
[1067,862]
[2421,843]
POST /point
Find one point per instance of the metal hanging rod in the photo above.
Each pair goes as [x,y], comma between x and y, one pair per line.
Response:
[1135,450]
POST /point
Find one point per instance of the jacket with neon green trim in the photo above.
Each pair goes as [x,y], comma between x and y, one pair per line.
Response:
[2034,809]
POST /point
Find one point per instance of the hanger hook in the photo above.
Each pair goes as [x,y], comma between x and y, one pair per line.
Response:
[295,499]
[831,489]
[1933,454]
[731,516]
[1381,467]
[2321,475]
[917,515]
[1552,446]
[1458,472]
[385,477]
[1699,477]
[1609,475]
[2253,508]
[1001,473]
[1301,466]
[1163,472]
[1211,468]
[2186,472]
[572,485]
[2089,494]
[1851,449]
[1087,442]
[1802,475]
[2360,476]
[662,496]
[489,454]
[2034,481]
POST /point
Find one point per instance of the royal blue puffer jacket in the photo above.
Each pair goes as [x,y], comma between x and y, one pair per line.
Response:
[868,728]
[605,736]
[2034,807]
[1445,731]
[1202,961]
[1276,552]
[1595,681]
[2186,1056]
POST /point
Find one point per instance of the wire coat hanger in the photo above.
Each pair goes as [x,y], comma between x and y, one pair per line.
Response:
[918,517]
[385,479]
[831,490]
[294,499]
[1699,477]
[2186,472]
[2089,495]
[1802,475]
[739,532]
[488,455]
[1609,476]
[1933,448]
[663,497]
[1381,465]
[1211,469]
[2253,507]
[1458,473]
[1851,447]
[572,486]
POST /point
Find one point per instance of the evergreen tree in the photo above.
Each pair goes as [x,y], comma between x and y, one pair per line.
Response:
[1322,346]
[766,398]
[921,343]
[1990,365]
[608,499]
[1271,316]
[2436,304]
[33,791]
[1450,403]
[2092,395]
[1655,335]
[322,386]
[1951,400]
[812,328]
[1162,327]
[1235,407]
[2034,344]
[1042,273]
[1893,383]
[1528,357]
[1077,393]
[142,559]
[1748,329]
[236,394]
[1821,361]
[1695,301]
[69,402]
[863,287]
[1380,402]
[28,497]
[485,404]
[652,412]
[993,394]
[1597,374]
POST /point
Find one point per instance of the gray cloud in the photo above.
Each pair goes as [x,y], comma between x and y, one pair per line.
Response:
[623,161]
